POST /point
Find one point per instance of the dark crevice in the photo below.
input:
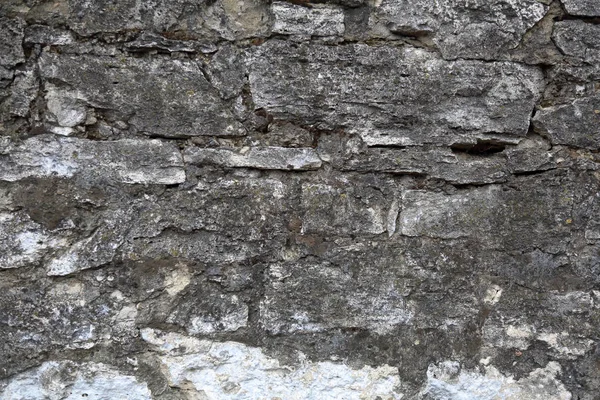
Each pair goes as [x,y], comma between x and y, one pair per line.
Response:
[480,149]
[530,173]
[388,146]
[586,19]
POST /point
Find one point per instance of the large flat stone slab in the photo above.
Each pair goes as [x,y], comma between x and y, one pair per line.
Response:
[394,96]
[127,160]
[461,28]
[274,158]
[157,97]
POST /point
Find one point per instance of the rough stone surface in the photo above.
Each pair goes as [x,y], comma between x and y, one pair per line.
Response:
[384,93]
[575,122]
[68,380]
[328,199]
[127,160]
[461,29]
[587,8]
[317,21]
[232,370]
[260,158]
[157,97]
[448,381]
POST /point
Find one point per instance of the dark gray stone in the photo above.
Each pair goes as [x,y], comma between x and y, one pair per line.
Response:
[157,97]
[392,96]
[573,124]
[588,8]
[337,199]
[461,29]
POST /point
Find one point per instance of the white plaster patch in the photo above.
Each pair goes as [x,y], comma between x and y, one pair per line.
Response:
[66,380]
[231,370]
[447,381]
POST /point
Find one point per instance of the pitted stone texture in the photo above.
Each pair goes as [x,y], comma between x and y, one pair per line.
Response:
[24,242]
[342,298]
[578,39]
[96,250]
[448,380]
[230,370]
[587,8]
[256,157]
[23,92]
[246,208]
[217,223]
[205,247]
[461,28]
[320,20]
[205,311]
[42,34]
[569,82]
[128,160]
[191,19]
[501,218]
[574,124]
[157,97]
[11,45]
[66,315]
[343,207]
[226,70]
[479,163]
[69,380]
[394,96]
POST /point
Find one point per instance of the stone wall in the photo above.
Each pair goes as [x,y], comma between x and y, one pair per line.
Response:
[245,199]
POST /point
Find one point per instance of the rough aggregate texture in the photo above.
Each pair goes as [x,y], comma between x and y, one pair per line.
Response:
[333,199]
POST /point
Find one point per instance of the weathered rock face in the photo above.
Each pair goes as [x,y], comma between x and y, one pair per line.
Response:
[461,28]
[353,199]
[384,94]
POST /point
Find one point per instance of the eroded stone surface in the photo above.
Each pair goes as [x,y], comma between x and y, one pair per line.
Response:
[589,8]
[220,19]
[70,380]
[338,207]
[578,39]
[392,96]
[309,200]
[232,370]
[449,381]
[530,215]
[345,300]
[461,29]
[11,48]
[128,160]
[293,19]
[572,124]
[157,97]
[260,158]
